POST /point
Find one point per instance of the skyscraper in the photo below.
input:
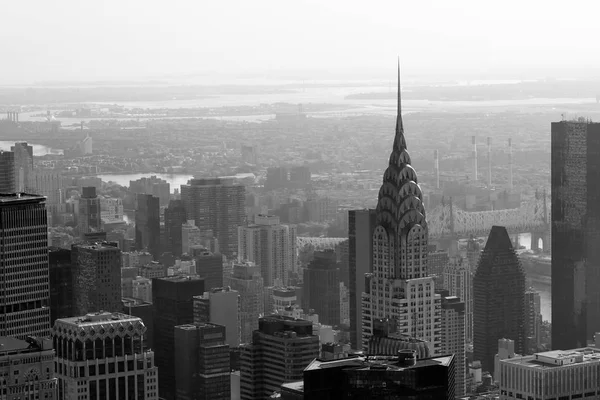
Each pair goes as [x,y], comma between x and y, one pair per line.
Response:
[7,172]
[173,305]
[48,183]
[90,212]
[61,284]
[220,306]
[23,164]
[202,371]
[533,320]
[147,224]
[25,299]
[399,287]
[322,287]
[458,281]
[217,205]
[280,350]
[96,277]
[105,356]
[453,336]
[248,282]
[498,299]
[361,225]
[175,216]
[210,267]
[271,245]
[575,233]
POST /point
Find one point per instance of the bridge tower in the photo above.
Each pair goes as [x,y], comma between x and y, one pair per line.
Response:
[544,230]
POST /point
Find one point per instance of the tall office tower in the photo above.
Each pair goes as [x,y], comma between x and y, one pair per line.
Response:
[7,172]
[49,183]
[322,287]
[27,368]
[265,363]
[575,233]
[498,299]
[220,306]
[453,336]
[437,261]
[533,321]
[145,311]
[473,254]
[102,356]
[399,287]
[361,225]
[96,277]
[248,282]
[270,245]
[210,267]
[23,164]
[402,376]
[147,224]
[458,281]
[89,219]
[216,205]
[24,272]
[61,284]
[173,302]
[175,216]
[203,368]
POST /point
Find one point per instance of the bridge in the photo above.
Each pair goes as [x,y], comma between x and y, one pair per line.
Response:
[447,221]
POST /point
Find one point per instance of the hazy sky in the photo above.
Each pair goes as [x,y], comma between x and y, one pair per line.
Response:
[106,39]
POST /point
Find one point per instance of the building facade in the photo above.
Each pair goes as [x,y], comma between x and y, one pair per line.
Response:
[209,266]
[61,284]
[217,205]
[270,245]
[147,224]
[203,368]
[498,299]
[220,306]
[453,337]
[102,356]
[322,287]
[458,281]
[27,369]
[399,287]
[361,225]
[265,363]
[172,298]
[175,216]
[575,159]
[96,277]
[89,216]
[7,172]
[23,154]
[24,303]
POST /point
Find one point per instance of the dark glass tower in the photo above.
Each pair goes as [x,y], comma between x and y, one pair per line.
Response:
[7,172]
[147,224]
[322,287]
[575,233]
[175,216]
[61,284]
[498,298]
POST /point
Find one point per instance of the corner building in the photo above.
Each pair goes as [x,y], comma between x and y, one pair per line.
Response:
[575,165]
[101,356]
[399,287]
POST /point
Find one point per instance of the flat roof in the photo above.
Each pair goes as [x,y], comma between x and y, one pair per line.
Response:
[366,362]
[7,198]
[587,355]
[181,278]
[98,317]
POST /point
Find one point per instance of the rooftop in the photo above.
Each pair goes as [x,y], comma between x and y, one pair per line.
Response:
[376,362]
[97,317]
[557,358]
[181,278]
[7,198]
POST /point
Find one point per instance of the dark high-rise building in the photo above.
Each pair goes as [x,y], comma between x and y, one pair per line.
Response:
[7,172]
[280,350]
[172,298]
[575,233]
[89,219]
[96,277]
[147,224]
[210,267]
[202,371]
[498,299]
[217,205]
[61,284]
[361,225]
[144,310]
[24,277]
[175,216]
[381,377]
[322,287]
